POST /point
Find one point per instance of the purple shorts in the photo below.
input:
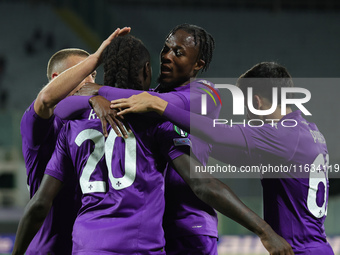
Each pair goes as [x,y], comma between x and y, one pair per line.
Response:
[191,245]
[323,249]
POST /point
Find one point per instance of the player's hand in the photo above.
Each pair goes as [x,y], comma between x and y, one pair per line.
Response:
[117,32]
[275,244]
[89,89]
[140,103]
[101,106]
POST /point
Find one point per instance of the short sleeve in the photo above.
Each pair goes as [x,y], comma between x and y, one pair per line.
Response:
[172,141]
[60,165]
[73,106]
[275,140]
[35,129]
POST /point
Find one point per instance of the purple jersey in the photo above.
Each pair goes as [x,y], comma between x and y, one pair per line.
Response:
[81,103]
[38,141]
[187,215]
[295,204]
[122,181]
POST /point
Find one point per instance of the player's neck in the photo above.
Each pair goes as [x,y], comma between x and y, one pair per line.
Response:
[188,81]
[277,115]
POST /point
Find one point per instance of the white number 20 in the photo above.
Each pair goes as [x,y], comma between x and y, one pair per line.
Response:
[106,147]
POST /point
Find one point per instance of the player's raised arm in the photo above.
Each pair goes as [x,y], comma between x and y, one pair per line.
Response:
[35,213]
[219,196]
[64,83]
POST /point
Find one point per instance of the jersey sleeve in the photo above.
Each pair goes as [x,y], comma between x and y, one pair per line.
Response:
[172,141]
[248,140]
[231,155]
[60,164]
[273,140]
[71,107]
[198,88]
[111,93]
[205,128]
[35,129]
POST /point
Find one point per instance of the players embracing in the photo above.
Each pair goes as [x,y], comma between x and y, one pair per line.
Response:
[184,42]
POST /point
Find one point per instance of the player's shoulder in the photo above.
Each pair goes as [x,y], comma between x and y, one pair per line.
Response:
[202,86]
[30,113]
[283,130]
[30,108]
[273,134]
[312,132]
[201,83]
[163,126]
[31,120]
[87,120]
[167,127]
[88,116]
[291,123]
[204,82]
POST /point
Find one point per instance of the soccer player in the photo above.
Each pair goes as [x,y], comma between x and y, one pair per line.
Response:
[39,128]
[187,50]
[125,200]
[190,225]
[295,203]
[113,217]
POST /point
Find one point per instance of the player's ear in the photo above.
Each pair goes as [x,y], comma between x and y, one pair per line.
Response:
[257,101]
[55,74]
[147,70]
[199,65]
[147,74]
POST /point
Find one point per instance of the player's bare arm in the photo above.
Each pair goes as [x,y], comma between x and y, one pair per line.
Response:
[221,197]
[68,80]
[35,213]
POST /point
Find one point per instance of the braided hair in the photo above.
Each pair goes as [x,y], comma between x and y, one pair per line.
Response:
[123,59]
[201,37]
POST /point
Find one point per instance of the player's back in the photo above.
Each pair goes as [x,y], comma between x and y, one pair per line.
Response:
[295,204]
[38,141]
[123,190]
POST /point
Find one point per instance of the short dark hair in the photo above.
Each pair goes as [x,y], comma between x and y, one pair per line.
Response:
[201,37]
[60,56]
[122,60]
[263,76]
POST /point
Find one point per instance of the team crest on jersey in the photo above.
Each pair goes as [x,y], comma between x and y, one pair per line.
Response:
[180,131]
